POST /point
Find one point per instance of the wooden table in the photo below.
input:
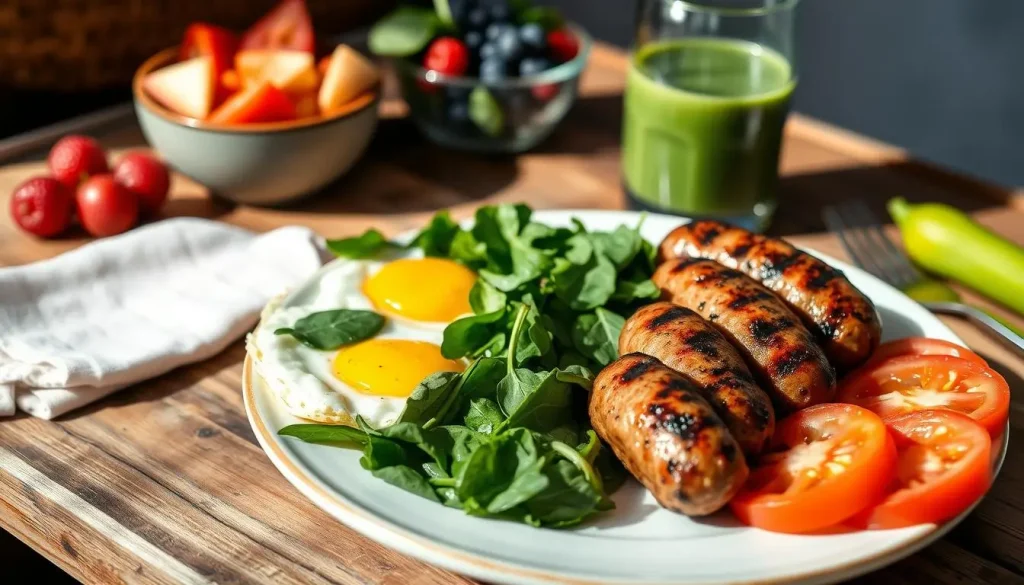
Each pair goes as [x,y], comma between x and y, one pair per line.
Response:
[164,482]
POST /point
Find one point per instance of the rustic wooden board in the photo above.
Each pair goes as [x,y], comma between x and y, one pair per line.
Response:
[164,482]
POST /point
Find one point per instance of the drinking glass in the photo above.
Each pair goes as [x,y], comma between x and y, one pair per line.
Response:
[707,94]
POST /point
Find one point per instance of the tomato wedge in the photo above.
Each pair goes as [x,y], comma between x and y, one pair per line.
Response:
[923,346]
[909,383]
[944,467]
[259,103]
[829,462]
[207,40]
[287,26]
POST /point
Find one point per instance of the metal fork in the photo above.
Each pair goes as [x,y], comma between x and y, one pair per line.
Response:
[861,235]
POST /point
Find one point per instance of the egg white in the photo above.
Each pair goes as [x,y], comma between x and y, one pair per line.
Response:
[301,376]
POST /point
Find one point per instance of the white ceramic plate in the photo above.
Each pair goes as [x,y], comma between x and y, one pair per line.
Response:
[638,542]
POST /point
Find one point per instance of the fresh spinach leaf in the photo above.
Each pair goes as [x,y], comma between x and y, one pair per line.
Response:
[627,291]
[466,335]
[484,415]
[428,397]
[408,479]
[585,286]
[590,448]
[596,335]
[315,433]
[381,452]
[484,298]
[403,32]
[569,498]
[436,239]
[620,245]
[328,330]
[478,381]
[367,245]
[576,374]
[431,442]
[527,483]
[493,466]
[467,249]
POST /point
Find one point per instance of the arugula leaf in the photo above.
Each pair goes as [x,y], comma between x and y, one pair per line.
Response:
[403,32]
[436,239]
[596,335]
[327,330]
[428,397]
[467,249]
[408,479]
[465,336]
[484,298]
[328,434]
[367,245]
[484,415]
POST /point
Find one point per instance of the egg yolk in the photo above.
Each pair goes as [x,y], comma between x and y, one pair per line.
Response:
[390,367]
[422,289]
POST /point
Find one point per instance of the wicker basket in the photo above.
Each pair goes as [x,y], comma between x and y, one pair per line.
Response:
[74,45]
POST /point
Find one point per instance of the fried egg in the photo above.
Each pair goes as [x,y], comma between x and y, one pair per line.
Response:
[372,378]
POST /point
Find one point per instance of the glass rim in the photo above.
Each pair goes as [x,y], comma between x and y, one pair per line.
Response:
[769,7]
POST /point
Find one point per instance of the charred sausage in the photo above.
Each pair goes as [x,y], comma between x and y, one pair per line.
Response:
[780,351]
[841,317]
[692,346]
[666,434]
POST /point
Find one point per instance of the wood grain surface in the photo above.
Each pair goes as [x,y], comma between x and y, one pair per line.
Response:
[164,482]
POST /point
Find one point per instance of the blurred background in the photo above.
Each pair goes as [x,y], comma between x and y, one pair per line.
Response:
[931,76]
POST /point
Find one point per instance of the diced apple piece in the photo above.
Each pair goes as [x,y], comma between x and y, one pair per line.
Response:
[348,75]
[292,72]
[185,87]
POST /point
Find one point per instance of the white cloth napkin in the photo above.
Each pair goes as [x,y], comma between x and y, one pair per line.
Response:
[120,310]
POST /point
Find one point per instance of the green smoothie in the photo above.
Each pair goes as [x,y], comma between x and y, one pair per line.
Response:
[703,126]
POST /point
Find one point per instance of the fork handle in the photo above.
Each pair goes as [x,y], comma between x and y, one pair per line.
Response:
[1008,333]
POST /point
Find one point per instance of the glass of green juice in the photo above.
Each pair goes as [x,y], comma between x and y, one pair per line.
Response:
[707,94]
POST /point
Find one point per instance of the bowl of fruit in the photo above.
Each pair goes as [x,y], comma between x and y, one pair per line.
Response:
[484,75]
[257,118]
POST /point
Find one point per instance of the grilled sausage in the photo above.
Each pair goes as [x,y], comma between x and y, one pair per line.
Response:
[666,434]
[689,344]
[841,317]
[780,351]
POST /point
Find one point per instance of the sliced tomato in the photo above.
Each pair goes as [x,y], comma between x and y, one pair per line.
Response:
[905,384]
[923,346]
[287,26]
[207,40]
[944,467]
[260,103]
[829,462]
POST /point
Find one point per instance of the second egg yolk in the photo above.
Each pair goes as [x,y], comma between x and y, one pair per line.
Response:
[422,289]
[390,367]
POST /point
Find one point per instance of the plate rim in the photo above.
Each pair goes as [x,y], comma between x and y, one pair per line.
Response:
[459,561]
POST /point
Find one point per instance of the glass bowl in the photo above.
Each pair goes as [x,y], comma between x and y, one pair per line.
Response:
[508,116]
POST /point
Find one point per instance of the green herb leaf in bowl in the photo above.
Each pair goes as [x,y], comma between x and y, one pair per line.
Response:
[404,32]
[485,111]
[329,330]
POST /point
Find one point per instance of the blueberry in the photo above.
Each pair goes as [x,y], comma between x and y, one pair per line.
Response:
[533,66]
[473,40]
[476,19]
[458,112]
[496,29]
[533,38]
[487,51]
[493,69]
[509,46]
[499,11]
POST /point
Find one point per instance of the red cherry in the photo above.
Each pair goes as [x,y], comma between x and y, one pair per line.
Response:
[146,177]
[42,206]
[563,45]
[448,56]
[105,208]
[75,158]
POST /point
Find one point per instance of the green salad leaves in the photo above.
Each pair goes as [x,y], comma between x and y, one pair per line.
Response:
[509,437]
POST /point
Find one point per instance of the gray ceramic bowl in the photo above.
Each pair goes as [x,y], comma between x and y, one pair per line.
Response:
[256,164]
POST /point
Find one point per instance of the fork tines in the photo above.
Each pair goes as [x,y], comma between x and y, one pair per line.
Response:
[860,232]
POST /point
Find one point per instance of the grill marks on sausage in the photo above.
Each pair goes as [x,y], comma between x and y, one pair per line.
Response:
[775,265]
[764,330]
[688,426]
[638,369]
[667,317]
[703,342]
[743,301]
